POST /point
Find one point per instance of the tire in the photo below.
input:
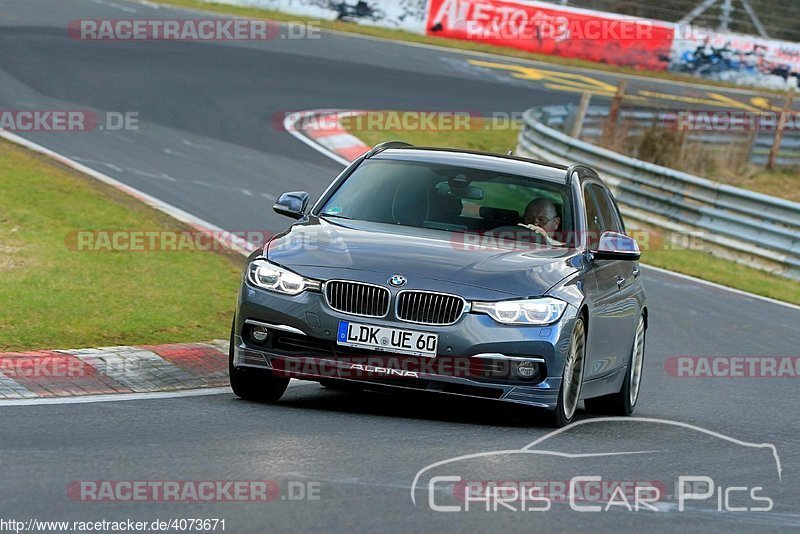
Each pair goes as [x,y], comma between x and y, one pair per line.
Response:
[624,401]
[572,380]
[258,385]
[338,385]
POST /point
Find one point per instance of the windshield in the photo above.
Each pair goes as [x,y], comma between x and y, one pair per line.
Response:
[453,199]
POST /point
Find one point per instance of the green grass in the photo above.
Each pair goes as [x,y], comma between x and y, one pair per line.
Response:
[52,296]
[704,265]
[781,182]
[701,264]
[695,263]
[472,46]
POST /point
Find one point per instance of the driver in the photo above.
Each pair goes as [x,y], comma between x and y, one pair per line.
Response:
[542,218]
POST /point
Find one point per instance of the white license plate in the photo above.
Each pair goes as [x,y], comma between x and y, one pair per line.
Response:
[381,338]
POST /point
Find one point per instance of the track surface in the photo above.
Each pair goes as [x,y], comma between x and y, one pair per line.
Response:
[207,145]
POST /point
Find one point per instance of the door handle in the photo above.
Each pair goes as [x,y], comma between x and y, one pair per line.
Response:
[620,281]
[636,272]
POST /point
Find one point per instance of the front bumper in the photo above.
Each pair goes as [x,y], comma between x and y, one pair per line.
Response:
[476,356]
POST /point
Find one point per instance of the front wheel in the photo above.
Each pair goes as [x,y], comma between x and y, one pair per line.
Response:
[623,402]
[254,384]
[572,380]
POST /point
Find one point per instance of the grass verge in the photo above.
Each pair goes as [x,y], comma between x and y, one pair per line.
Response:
[457,44]
[727,163]
[704,265]
[697,263]
[55,297]
[781,182]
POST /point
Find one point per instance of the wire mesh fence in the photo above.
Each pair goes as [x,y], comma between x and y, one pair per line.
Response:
[778,17]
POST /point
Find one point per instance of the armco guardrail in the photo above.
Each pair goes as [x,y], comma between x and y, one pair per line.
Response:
[637,121]
[752,228]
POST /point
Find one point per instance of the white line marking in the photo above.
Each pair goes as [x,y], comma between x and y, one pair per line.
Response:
[143,173]
[195,145]
[723,288]
[118,397]
[171,152]
[241,245]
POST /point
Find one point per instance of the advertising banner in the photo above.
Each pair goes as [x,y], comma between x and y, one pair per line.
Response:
[549,29]
[742,59]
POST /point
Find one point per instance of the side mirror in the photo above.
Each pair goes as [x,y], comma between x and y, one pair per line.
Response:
[292,204]
[614,246]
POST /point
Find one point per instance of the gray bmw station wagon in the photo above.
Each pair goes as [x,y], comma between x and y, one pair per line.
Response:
[451,272]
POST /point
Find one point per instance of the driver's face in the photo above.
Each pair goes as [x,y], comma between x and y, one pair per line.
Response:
[542,216]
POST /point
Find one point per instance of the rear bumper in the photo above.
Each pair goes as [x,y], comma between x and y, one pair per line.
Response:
[476,356]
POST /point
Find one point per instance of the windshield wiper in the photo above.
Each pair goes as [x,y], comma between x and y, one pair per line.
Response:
[335,216]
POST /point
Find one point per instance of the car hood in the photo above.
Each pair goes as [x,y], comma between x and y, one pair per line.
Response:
[326,250]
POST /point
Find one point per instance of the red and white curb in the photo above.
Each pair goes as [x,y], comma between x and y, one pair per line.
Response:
[322,130]
[113,370]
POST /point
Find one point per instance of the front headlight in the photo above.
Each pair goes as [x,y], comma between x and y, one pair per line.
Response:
[268,276]
[541,311]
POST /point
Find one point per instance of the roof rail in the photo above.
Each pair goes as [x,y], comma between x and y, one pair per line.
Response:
[385,146]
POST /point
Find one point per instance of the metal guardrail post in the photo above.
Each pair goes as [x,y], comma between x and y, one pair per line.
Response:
[613,112]
[580,115]
[776,144]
